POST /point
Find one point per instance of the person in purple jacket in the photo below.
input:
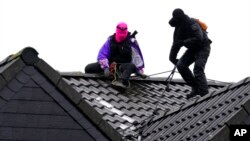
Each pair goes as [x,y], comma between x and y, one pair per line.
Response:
[123,49]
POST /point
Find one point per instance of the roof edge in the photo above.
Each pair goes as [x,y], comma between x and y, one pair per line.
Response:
[136,78]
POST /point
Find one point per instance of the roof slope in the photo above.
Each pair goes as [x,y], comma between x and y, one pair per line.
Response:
[32,107]
[126,111]
[207,119]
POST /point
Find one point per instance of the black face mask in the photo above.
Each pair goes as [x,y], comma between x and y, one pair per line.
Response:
[174,22]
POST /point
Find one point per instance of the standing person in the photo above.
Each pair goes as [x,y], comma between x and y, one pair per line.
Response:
[120,48]
[189,33]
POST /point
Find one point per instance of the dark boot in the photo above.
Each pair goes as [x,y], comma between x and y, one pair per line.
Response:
[125,83]
[121,83]
[141,75]
[202,93]
[192,94]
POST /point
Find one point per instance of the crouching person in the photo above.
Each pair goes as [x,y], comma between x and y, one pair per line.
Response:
[120,49]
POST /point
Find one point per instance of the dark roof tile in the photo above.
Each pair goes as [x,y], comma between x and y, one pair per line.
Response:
[22,77]
[87,97]
[38,78]
[90,112]
[116,104]
[47,87]
[94,82]
[31,83]
[9,70]
[106,97]
[247,79]
[48,71]
[96,134]
[84,82]
[6,93]
[2,102]
[21,120]
[246,103]
[31,107]
[83,89]
[15,85]
[112,90]
[104,90]
[31,93]
[2,82]
[29,70]
[69,91]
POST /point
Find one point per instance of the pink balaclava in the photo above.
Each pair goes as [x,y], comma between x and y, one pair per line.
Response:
[121,32]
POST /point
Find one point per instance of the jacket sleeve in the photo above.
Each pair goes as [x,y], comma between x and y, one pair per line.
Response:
[103,55]
[137,57]
[173,53]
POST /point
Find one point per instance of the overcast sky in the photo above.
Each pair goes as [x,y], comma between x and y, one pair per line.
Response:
[69,33]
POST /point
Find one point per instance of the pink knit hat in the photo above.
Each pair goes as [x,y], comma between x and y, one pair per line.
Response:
[121,31]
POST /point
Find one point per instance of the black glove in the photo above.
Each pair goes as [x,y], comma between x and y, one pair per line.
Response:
[175,61]
[173,55]
[174,51]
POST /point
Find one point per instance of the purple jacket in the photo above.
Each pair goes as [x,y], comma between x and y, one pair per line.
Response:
[137,58]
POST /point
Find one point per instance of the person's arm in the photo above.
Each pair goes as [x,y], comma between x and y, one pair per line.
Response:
[173,53]
[103,55]
[137,57]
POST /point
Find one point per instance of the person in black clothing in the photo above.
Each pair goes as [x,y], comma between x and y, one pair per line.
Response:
[188,33]
[120,48]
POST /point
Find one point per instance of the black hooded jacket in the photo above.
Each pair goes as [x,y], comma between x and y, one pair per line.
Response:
[188,32]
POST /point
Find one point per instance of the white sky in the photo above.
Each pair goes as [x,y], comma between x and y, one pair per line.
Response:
[69,33]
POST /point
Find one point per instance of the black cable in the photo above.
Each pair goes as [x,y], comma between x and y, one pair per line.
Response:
[168,80]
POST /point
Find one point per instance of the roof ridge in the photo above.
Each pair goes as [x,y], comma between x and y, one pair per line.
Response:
[28,54]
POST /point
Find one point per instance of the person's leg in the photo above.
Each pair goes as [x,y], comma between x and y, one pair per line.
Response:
[199,67]
[126,70]
[93,68]
[183,67]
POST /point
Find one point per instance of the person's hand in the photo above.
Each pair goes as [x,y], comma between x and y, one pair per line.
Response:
[104,63]
[174,61]
[106,72]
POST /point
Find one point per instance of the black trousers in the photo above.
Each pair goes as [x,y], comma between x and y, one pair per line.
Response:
[196,79]
[126,69]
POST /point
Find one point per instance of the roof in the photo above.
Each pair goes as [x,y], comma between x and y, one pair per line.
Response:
[145,110]
[207,119]
[33,107]
[127,111]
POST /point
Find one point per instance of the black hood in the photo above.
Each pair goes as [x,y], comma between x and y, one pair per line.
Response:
[178,17]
